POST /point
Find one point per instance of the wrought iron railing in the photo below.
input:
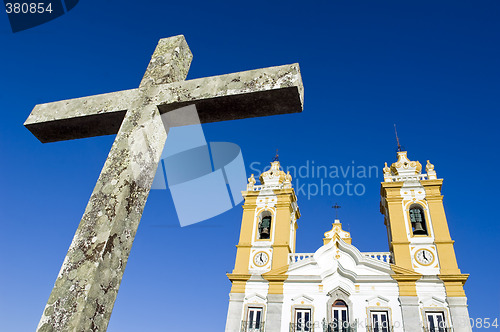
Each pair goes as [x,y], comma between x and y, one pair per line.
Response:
[438,329]
[339,327]
[251,326]
[380,329]
[307,327]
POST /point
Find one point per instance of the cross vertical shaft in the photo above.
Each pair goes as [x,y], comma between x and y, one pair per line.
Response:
[87,285]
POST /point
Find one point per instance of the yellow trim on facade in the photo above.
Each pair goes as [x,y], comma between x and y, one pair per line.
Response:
[238,282]
[454,284]
[406,279]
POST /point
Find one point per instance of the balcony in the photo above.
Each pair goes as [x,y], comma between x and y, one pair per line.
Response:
[308,327]
[251,326]
[438,329]
[379,329]
[335,327]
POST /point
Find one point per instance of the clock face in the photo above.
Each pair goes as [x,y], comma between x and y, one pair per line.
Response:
[424,257]
[261,258]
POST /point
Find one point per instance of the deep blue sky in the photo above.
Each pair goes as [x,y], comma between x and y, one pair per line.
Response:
[432,67]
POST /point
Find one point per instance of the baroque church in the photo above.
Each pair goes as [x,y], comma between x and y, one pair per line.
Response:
[416,286]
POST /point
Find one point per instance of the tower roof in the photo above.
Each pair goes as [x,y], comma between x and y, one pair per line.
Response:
[405,169]
[274,175]
[405,166]
[271,179]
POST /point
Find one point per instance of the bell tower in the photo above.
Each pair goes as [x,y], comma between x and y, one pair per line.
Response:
[418,233]
[412,204]
[267,237]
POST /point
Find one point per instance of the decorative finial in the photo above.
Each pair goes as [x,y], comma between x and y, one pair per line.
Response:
[431,172]
[288,180]
[336,207]
[251,183]
[387,173]
[276,157]
[397,139]
[386,169]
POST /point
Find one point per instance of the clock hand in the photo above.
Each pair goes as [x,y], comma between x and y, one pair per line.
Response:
[423,252]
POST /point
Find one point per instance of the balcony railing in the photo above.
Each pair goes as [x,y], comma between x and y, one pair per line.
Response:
[397,178]
[438,329]
[294,258]
[265,186]
[381,256]
[379,329]
[250,326]
[339,327]
[307,327]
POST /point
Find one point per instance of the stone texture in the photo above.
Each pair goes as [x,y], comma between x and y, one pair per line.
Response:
[253,93]
[459,314]
[171,58]
[89,279]
[233,321]
[274,311]
[411,314]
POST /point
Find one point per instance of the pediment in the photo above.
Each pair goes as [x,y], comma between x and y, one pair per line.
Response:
[303,298]
[343,259]
[339,293]
[433,301]
[343,252]
[377,301]
[255,298]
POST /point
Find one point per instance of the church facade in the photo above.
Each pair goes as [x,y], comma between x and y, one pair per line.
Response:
[417,286]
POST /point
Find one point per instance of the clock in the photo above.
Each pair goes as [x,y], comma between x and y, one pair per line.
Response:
[261,258]
[424,257]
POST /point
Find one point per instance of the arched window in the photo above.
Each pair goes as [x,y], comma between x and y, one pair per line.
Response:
[417,220]
[340,319]
[339,303]
[265,223]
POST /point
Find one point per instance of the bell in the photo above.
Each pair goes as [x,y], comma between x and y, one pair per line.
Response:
[419,230]
[265,233]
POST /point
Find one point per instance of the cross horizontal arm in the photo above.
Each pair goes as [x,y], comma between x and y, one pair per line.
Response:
[253,93]
[261,92]
[80,117]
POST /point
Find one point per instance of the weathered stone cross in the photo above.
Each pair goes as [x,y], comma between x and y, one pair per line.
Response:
[87,285]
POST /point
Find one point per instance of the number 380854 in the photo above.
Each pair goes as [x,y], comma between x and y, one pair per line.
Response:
[28,8]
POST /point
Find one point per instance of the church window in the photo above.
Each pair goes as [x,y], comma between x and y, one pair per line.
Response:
[254,320]
[380,321]
[417,220]
[303,320]
[435,321]
[340,319]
